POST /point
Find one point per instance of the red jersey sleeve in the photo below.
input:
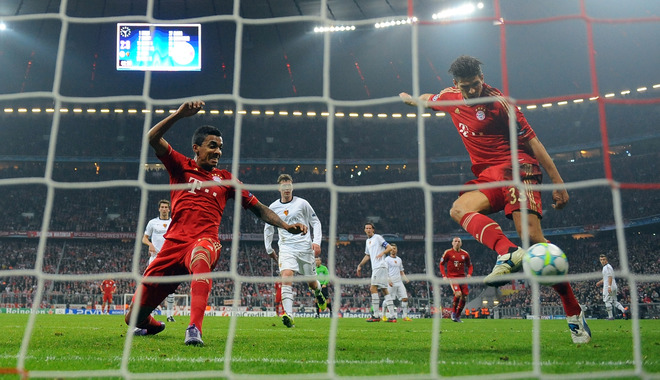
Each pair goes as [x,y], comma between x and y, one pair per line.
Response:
[442,265]
[468,262]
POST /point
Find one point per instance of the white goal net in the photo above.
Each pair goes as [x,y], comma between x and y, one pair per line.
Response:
[310,87]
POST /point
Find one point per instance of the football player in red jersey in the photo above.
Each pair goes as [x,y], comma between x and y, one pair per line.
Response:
[192,245]
[456,259]
[484,128]
[108,288]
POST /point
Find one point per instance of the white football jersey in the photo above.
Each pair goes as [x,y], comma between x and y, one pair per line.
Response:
[394,267]
[608,271]
[375,245]
[156,229]
[296,211]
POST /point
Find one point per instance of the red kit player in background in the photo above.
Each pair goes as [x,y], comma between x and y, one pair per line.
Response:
[456,260]
[191,242]
[108,288]
[279,309]
[484,129]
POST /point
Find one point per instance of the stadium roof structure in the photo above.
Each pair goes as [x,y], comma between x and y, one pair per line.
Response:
[282,58]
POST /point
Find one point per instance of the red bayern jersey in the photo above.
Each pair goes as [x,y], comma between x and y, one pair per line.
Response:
[484,128]
[108,286]
[456,263]
[197,210]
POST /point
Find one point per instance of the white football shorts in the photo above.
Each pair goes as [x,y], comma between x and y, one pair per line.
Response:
[610,298]
[301,263]
[380,278]
[397,290]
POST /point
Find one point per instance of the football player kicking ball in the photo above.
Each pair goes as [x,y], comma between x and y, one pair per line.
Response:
[191,243]
[484,128]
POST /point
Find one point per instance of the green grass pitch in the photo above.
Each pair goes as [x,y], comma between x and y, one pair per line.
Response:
[264,346]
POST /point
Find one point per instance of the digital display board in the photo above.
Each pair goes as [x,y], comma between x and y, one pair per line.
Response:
[159,47]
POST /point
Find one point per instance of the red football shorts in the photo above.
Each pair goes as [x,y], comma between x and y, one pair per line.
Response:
[174,260]
[107,297]
[463,288]
[507,198]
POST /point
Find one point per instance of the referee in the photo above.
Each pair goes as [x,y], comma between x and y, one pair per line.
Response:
[322,274]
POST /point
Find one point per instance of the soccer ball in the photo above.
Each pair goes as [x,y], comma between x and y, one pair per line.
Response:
[545,259]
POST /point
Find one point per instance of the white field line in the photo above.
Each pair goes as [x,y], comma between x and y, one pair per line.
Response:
[177,359]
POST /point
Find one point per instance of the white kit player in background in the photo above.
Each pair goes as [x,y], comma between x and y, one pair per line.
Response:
[297,252]
[609,289]
[396,288]
[154,239]
[376,250]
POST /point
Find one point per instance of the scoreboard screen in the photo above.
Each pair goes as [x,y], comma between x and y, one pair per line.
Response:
[159,47]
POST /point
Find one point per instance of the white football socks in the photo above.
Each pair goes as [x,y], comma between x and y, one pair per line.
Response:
[287,299]
[375,304]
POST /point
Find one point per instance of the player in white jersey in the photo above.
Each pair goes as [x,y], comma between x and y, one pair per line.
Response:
[377,250]
[609,289]
[395,287]
[154,239]
[297,252]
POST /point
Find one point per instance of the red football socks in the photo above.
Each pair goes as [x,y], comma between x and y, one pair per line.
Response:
[461,305]
[199,293]
[454,305]
[568,300]
[487,232]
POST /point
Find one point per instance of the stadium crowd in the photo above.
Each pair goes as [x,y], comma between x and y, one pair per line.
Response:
[87,257]
[21,208]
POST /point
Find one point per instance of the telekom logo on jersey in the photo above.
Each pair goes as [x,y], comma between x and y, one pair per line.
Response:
[196,184]
[463,129]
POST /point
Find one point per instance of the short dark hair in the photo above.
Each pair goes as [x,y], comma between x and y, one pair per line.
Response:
[465,67]
[603,255]
[164,201]
[200,134]
[284,177]
[370,224]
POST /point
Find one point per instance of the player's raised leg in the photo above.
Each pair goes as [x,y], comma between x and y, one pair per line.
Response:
[466,211]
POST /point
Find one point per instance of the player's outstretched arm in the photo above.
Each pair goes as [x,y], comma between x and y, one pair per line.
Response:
[268,216]
[409,100]
[157,132]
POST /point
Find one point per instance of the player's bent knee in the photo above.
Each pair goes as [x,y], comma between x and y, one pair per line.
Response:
[204,255]
[456,213]
[200,255]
